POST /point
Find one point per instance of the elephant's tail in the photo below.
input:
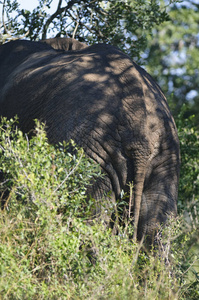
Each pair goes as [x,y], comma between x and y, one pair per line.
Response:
[138,191]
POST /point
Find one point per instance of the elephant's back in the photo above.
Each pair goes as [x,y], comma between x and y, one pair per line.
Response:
[96,85]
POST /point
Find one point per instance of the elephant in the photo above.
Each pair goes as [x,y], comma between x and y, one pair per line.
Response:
[111,107]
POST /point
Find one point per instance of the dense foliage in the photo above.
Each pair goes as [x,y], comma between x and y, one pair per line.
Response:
[49,248]
[172,57]
[188,199]
[128,21]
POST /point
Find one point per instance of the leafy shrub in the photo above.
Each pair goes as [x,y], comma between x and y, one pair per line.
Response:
[48,248]
[188,202]
[37,172]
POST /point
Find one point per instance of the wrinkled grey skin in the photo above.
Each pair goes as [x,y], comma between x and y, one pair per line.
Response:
[111,107]
[66,44]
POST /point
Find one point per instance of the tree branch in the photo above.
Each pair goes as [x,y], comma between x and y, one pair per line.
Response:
[5,28]
[75,30]
[98,32]
[3,19]
[58,12]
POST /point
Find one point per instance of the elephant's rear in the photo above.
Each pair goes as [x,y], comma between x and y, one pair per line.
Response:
[114,110]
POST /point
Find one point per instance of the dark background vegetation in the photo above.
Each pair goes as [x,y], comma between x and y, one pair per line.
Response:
[162,36]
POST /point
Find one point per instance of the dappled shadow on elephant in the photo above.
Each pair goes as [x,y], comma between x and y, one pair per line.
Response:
[108,105]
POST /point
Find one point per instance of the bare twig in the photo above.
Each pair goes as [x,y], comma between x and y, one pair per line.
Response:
[3,17]
[9,197]
[75,30]
[69,174]
[130,198]
[140,245]
[27,142]
[77,21]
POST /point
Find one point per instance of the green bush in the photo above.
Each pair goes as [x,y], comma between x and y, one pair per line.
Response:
[188,201]
[50,250]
